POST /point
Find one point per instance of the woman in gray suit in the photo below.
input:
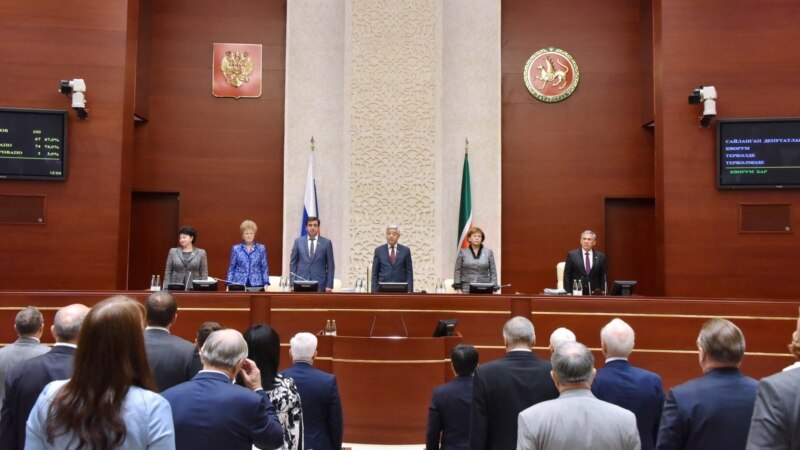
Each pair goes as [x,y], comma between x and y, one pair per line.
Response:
[474,264]
[186,262]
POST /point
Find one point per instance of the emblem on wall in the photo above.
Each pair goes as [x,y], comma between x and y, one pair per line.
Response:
[551,75]
[236,70]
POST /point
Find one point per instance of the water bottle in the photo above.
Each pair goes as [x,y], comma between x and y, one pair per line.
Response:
[328,327]
[333,327]
[439,286]
[577,287]
[158,282]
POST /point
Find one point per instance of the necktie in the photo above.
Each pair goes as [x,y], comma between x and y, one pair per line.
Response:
[392,256]
[311,249]
[588,264]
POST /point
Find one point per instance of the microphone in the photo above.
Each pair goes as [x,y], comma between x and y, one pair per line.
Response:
[188,280]
[298,276]
[226,281]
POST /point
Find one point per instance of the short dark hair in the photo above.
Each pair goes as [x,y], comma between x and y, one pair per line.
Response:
[722,341]
[28,321]
[205,330]
[189,231]
[464,358]
[313,218]
[161,309]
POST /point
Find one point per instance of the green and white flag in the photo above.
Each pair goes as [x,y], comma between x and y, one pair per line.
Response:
[465,210]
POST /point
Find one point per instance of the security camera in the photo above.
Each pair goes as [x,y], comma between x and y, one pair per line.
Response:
[707,95]
[76,88]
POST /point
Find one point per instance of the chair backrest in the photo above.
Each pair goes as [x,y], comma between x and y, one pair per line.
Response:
[337,285]
[274,282]
[448,285]
[560,275]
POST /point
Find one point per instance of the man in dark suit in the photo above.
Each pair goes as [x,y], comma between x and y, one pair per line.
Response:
[26,380]
[587,265]
[637,390]
[29,325]
[448,413]
[392,262]
[504,387]
[170,357]
[312,257]
[712,411]
[210,412]
[319,394]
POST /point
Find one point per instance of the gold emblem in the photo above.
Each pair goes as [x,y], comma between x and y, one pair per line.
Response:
[237,66]
[551,75]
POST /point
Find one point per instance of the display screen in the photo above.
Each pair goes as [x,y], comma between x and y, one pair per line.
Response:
[33,144]
[758,153]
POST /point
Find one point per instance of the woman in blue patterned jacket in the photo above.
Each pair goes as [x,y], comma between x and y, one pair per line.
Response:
[248,264]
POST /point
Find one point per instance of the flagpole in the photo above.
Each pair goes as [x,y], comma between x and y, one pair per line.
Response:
[310,196]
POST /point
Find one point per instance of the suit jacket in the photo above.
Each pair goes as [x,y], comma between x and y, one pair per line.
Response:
[23,384]
[211,413]
[13,354]
[322,408]
[710,412]
[448,415]
[178,272]
[577,420]
[575,268]
[170,358]
[637,390]
[501,389]
[401,271]
[248,268]
[776,416]
[471,269]
[320,267]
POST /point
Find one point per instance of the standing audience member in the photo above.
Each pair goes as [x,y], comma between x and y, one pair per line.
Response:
[186,262]
[776,415]
[392,262]
[504,387]
[170,357]
[560,336]
[712,411]
[448,413]
[312,257]
[107,403]
[211,413]
[587,265]
[264,348]
[474,264]
[576,420]
[26,380]
[203,331]
[29,325]
[248,265]
[319,395]
[637,390]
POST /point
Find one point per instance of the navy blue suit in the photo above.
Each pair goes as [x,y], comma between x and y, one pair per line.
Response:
[319,267]
[637,390]
[401,271]
[710,412]
[211,413]
[322,408]
[24,383]
[448,415]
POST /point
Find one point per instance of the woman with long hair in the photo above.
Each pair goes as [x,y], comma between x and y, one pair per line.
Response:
[264,348]
[108,403]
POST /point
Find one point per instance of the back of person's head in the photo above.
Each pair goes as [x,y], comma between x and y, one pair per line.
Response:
[573,363]
[161,309]
[722,341]
[224,349]
[303,346]
[109,360]
[519,332]
[29,322]
[203,331]
[794,346]
[617,338]
[464,358]
[264,347]
[560,336]
[68,321]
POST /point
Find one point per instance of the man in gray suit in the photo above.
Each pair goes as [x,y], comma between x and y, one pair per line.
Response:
[312,257]
[392,262]
[29,325]
[576,419]
[170,357]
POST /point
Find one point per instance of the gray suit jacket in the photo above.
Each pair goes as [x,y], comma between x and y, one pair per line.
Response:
[776,417]
[171,358]
[471,269]
[577,420]
[319,268]
[13,354]
[178,272]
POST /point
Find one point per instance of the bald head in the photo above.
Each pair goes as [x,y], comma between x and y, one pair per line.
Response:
[617,339]
[224,349]
[561,336]
[67,324]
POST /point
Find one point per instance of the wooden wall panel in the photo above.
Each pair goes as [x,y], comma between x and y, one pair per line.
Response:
[561,161]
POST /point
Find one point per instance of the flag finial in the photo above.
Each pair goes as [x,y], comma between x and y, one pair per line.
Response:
[312,143]
[466,146]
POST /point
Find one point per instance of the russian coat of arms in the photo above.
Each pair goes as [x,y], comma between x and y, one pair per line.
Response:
[237,70]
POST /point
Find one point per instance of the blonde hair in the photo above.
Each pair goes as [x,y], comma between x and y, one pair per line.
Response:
[248,225]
